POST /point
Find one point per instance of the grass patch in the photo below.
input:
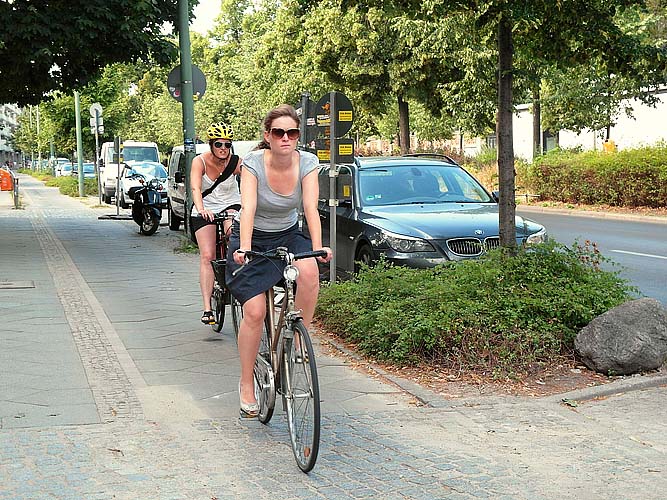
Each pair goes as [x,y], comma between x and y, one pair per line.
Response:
[186,246]
[496,315]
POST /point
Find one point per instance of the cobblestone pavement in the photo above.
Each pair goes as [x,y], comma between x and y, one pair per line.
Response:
[109,389]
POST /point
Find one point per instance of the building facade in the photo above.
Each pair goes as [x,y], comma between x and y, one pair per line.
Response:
[8,121]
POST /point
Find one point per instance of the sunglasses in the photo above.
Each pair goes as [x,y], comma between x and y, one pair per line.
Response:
[279,133]
[219,144]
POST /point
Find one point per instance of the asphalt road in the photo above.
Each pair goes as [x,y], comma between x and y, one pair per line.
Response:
[637,245]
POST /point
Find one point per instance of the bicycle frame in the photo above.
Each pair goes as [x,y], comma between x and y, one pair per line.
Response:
[285,319]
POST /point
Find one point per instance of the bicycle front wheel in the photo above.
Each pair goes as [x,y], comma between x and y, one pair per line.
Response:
[218,307]
[301,394]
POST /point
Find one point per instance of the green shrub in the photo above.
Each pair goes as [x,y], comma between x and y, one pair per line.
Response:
[497,314]
[629,178]
[69,185]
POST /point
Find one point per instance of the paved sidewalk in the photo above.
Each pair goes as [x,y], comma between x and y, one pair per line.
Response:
[110,388]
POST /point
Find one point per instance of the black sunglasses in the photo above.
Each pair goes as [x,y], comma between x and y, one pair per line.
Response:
[292,133]
[219,144]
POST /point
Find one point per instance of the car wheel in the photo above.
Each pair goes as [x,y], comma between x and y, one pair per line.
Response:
[364,256]
[106,199]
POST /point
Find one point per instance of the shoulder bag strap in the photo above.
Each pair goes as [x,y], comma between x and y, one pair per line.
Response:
[224,175]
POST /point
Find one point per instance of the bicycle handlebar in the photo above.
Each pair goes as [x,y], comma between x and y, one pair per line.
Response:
[280,253]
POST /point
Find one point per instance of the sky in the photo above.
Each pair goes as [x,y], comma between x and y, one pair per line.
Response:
[205,14]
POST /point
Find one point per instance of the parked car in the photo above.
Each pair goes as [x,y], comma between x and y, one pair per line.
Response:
[131,151]
[63,169]
[176,182]
[147,170]
[88,170]
[59,163]
[417,211]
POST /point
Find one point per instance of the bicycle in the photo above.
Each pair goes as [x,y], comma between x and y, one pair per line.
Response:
[285,363]
[220,296]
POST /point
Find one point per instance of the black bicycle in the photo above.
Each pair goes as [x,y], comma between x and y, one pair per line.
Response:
[285,363]
[220,296]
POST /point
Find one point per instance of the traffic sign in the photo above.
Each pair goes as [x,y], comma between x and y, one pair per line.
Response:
[198,83]
[344,113]
[95,107]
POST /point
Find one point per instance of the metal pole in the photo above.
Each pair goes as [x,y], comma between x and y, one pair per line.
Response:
[333,172]
[97,155]
[79,140]
[117,144]
[305,104]
[39,146]
[188,104]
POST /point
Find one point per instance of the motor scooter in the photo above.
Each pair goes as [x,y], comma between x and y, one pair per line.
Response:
[147,204]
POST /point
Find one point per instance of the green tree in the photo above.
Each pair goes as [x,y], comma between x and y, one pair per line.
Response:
[565,34]
[62,44]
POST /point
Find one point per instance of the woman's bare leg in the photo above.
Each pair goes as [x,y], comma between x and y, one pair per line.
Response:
[250,333]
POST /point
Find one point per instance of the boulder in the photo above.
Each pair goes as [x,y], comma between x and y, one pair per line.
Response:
[627,339]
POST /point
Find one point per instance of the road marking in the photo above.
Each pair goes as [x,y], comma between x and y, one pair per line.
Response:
[640,254]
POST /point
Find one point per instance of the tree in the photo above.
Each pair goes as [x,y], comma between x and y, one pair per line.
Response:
[63,44]
[565,34]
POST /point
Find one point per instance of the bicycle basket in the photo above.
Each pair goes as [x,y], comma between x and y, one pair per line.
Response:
[219,267]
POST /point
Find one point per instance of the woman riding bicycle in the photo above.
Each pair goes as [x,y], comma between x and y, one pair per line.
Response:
[214,189]
[276,180]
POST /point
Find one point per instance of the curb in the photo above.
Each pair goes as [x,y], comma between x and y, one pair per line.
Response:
[430,399]
[657,219]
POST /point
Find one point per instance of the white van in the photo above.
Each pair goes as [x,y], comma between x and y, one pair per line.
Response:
[130,150]
[176,180]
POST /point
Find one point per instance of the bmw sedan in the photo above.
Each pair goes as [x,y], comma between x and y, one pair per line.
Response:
[417,211]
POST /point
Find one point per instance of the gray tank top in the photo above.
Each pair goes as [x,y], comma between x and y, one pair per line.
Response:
[275,211]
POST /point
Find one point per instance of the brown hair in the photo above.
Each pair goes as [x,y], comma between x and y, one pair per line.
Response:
[278,112]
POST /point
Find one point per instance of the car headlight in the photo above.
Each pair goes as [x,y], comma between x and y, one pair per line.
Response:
[405,244]
[538,237]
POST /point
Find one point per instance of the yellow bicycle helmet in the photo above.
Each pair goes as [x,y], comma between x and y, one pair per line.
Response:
[220,131]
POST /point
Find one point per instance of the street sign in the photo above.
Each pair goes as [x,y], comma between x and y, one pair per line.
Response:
[96,107]
[344,113]
[345,150]
[198,83]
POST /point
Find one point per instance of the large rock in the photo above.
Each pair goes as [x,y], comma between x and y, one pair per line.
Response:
[627,339]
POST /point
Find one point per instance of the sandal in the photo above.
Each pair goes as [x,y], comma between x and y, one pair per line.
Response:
[247,410]
[207,318]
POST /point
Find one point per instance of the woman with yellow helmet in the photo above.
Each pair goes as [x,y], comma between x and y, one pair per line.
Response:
[214,189]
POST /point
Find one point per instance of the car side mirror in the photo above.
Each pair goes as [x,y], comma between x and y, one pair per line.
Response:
[178,176]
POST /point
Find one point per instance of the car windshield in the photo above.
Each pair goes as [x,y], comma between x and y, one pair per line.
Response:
[401,185]
[139,153]
[148,170]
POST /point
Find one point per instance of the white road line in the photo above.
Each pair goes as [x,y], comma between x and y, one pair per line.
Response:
[640,254]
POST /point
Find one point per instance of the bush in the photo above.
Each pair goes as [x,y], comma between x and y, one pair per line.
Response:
[497,314]
[628,178]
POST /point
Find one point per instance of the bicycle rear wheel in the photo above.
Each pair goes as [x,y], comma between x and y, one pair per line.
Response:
[265,381]
[301,394]
[237,315]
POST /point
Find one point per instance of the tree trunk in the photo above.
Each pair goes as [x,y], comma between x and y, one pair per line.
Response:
[537,119]
[403,126]
[507,205]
